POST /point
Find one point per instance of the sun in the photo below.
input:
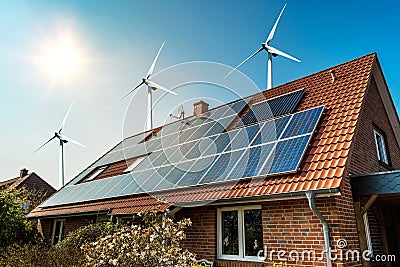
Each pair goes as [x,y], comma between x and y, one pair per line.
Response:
[61,59]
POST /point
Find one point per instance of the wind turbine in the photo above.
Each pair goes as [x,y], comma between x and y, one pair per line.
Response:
[150,87]
[272,51]
[62,140]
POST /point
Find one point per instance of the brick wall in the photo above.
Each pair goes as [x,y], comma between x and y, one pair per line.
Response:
[202,235]
[45,226]
[73,223]
[364,157]
[287,225]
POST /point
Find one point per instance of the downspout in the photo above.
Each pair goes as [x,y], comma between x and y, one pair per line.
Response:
[311,197]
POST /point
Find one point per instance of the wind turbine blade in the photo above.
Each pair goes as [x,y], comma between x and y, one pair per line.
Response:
[119,100]
[65,138]
[48,141]
[65,118]
[271,34]
[255,53]
[157,86]
[278,52]
[154,63]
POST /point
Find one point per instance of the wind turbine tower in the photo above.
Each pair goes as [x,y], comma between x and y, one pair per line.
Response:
[151,86]
[272,52]
[62,140]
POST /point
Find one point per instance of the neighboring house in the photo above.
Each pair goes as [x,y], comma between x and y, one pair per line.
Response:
[279,176]
[30,181]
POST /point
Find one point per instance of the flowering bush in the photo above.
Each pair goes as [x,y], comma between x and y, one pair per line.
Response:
[87,234]
[157,241]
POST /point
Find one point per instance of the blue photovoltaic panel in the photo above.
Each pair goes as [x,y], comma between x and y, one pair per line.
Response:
[130,141]
[185,134]
[288,154]
[273,107]
[154,180]
[285,104]
[237,107]
[270,131]
[251,162]
[272,147]
[244,136]
[303,122]
[222,167]
[197,171]
[219,143]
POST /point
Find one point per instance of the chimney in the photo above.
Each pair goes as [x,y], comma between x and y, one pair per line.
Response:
[23,173]
[200,108]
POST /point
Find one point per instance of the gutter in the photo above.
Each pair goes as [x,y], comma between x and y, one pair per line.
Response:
[311,201]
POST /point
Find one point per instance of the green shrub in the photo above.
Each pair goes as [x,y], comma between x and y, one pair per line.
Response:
[38,255]
[87,234]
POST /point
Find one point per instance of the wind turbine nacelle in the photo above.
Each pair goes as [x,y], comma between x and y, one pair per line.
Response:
[275,55]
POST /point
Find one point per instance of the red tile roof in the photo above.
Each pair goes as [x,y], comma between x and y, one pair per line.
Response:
[325,161]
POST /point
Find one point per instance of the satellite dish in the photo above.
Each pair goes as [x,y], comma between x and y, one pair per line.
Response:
[181,113]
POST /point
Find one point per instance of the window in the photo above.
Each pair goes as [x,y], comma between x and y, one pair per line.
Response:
[58,231]
[96,173]
[134,164]
[381,147]
[240,234]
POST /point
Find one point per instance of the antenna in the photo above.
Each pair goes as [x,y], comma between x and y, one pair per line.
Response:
[181,113]
[271,52]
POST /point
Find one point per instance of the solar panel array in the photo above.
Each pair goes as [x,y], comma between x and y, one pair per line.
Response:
[272,147]
[274,107]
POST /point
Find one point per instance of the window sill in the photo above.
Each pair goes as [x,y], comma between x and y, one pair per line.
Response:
[247,259]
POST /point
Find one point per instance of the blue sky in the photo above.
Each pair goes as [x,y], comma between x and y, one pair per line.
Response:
[117,41]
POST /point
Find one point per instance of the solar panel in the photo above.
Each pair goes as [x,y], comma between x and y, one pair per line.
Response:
[196,172]
[251,162]
[303,122]
[270,131]
[222,167]
[272,108]
[130,141]
[272,147]
[288,154]
[245,135]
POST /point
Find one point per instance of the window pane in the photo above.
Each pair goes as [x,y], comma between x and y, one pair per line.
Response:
[253,232]
[62,231]
[230,238]
[57,232]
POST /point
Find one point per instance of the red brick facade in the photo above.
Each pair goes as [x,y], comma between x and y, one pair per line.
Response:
[373,115]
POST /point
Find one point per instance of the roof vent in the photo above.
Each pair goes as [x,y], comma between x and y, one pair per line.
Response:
[200,108]
[333,76]
[23,173]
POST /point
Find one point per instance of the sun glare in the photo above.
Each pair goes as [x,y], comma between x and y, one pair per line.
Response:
[61,59]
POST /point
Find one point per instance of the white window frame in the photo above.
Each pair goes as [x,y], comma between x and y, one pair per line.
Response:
[134,164]
[381,146]
[54,231]
[367,232]
[96,173]
[241,229]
